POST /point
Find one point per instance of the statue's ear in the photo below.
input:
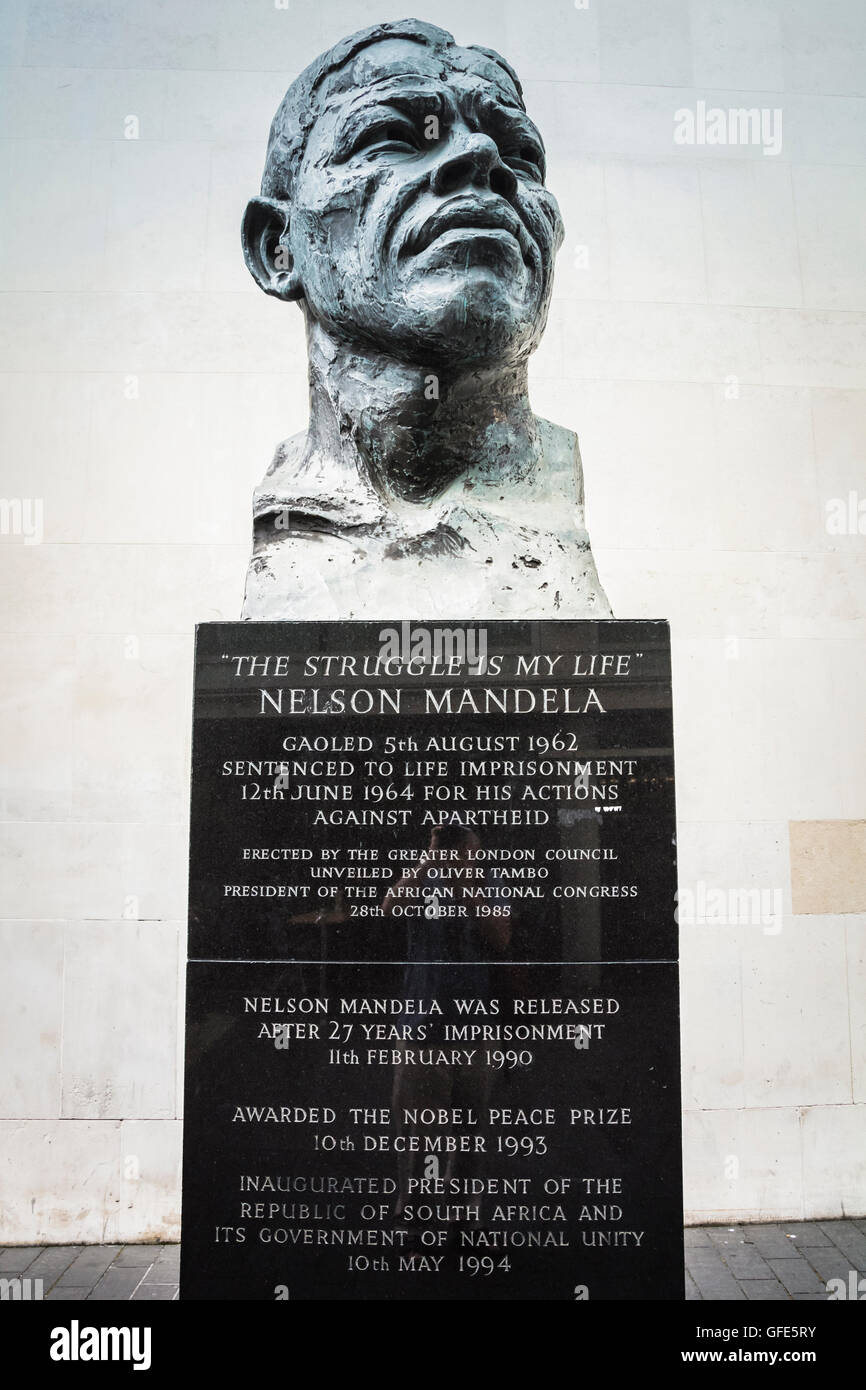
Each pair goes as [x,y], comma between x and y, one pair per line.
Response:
[265,239]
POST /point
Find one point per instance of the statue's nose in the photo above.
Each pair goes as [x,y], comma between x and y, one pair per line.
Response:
[472,159]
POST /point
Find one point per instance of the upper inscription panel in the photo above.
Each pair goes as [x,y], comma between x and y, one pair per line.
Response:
[499,792]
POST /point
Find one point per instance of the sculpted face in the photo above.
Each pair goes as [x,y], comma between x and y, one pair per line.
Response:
[419,223]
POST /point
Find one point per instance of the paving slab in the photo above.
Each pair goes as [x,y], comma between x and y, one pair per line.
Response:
[17,1257]
[848,1239]
[695,1235]
[810,1233]
[134,1256]
[163,1273]
[797,1276]
[52,1261]
[828,1263]
[716,1283]
[705,1263]
[169,1255]
[87,1267]
[774,1241]
[724,1236]
[763,1290]
[165,1292]
[117,1283]
[747,1263]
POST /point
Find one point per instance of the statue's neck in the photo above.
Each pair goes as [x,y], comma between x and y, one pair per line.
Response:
[410,430]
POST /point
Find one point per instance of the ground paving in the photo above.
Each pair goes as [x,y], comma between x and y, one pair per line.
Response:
[784,1261]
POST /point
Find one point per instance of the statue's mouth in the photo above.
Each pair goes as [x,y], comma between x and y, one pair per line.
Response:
[469,215]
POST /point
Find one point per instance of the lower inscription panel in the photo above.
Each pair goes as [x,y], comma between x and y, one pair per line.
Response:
[432,1131]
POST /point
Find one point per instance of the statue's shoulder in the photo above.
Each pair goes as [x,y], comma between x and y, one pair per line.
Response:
[561,453]
[318,488]
[285,462]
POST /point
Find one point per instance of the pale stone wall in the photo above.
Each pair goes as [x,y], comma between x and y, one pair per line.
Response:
[707,342]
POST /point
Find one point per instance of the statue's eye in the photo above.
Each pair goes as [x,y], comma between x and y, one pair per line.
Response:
[397,137]
[526,159]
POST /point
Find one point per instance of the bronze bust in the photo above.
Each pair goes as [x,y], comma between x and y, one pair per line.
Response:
[404,207]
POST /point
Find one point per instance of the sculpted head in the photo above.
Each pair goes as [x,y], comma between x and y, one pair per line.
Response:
[403,201]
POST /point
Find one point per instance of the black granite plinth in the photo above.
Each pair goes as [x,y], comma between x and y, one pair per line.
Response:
[432,1007]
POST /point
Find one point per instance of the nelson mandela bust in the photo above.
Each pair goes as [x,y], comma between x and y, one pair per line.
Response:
[404,208]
